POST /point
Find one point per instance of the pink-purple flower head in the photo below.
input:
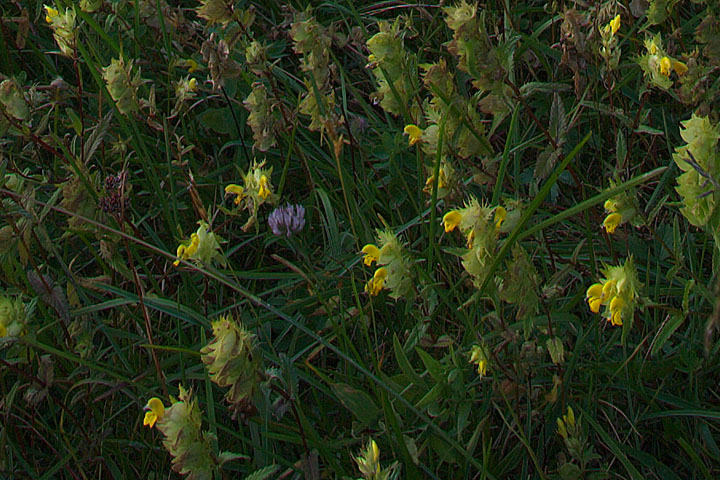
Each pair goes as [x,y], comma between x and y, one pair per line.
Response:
[287,220]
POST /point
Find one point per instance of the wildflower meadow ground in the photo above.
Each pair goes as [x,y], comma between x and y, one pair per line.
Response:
[360,240]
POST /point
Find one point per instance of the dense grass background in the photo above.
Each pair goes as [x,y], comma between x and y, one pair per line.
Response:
[111,322]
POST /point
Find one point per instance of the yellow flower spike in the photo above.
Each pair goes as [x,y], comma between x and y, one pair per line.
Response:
[615,24]
[50,13]
[665,66]
[154,411]
[372,254]
[264,191]
[413,132]
[679,67]
[451,220]
[500,215]
[611,222]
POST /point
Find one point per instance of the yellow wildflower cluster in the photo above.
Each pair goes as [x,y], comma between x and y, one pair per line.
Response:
[620,209]
[618,292]
[609,49]
[255,191]
[657,65]
[480,356]
[394,272]
[203,247]
[63,27]
[481,225]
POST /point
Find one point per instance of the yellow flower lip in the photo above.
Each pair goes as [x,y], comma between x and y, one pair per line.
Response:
[413,132]
[372,254]
[154,411]
[264,191]
[611,222]
[51,13]
[500,215]
[451,220]
[665,66]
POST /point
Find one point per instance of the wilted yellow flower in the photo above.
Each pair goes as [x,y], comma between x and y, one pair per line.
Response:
[413,132]
[480,356]
[154,411]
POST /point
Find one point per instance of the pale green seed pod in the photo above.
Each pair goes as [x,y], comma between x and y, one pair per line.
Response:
[232,361]
[123,83]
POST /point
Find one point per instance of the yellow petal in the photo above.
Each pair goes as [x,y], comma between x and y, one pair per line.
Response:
[413,132]
[615,24]
[500,215]
[616,319]
[451,220]
[665,65]
[611,222]
[595,290]
[616,305]
[264,191]
[155,411]
[594,303]
[150,419]
[372,254]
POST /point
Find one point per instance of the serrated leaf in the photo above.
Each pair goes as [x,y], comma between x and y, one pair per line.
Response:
[263,473]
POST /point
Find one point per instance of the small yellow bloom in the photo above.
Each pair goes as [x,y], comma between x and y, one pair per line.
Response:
[235,190]
[264,191]
[372,254]
[184,252]
[594,297]
[665,66]
[451,220]
[500,215]
[376,283]
[479,355]
[154,411]
[192,65]
[192,85]
[611,222]
[615,24]
[50,13]
[652,48]
[679,67]
[413,132]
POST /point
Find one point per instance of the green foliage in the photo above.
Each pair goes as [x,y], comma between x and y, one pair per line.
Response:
[509,266]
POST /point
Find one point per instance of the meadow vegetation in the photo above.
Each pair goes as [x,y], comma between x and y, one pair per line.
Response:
[360,240]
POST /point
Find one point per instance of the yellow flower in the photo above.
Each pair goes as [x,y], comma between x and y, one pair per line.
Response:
[185,252]
[652,48]
[154,411]
[679,67]
[192,65]
[51,13]
[611,222]
[480,356]
[665,66]
[615,24]
[594,297]
[235,190]
[192,85]
[413,132]
[616,306]
[264,191]
[500,215]
[451,220]
[372,254]
[377,283]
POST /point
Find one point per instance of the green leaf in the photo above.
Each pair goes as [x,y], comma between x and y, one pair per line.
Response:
[358,402]
[666,332]
[218,119]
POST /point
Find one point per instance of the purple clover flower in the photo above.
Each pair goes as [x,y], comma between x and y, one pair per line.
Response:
[287,220]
